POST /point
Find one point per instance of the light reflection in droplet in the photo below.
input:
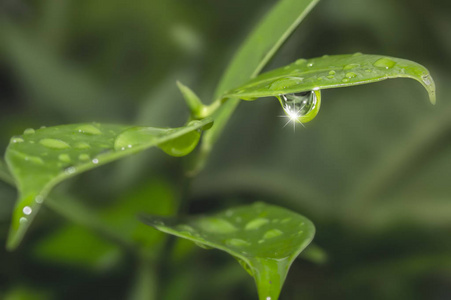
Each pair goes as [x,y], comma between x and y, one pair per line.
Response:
[27,210]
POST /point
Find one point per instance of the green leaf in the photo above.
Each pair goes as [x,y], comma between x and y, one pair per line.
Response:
[265,239]
[40,159]
[254,54]
[332,72]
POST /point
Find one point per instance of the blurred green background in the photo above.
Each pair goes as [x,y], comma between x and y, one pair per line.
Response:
[372,171]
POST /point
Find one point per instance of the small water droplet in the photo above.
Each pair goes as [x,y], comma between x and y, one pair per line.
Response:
[16,139]
[237,242]
[286,220]
[384,63]
[310,65]
[64,158]
[84,156]
[351,75]
[54,144]
[70,170]
[368,70]
[256,223]
[331,76]
[345,80]
[27,210]
[351,66]
[184,227]
[34,159]
[272,233]
[23,220]
[216,225]
[39,199]
[332,72]
[357,54]
[95,161]
[29,131]
[82,146]
[300,61]
[88,129]
[426,79]
[285,83]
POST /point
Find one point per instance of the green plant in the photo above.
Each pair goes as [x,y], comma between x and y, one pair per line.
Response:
[40,159]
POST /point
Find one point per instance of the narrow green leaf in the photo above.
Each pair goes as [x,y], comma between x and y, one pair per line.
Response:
[332,72]
[254,54]
[40,159]
[265,239]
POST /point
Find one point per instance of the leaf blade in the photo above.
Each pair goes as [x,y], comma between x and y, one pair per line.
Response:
[40,159]
[333,72]
[264,238]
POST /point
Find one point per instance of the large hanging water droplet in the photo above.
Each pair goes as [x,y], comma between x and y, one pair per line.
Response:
[301,107]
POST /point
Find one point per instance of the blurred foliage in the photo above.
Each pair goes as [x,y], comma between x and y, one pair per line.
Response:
[371,171]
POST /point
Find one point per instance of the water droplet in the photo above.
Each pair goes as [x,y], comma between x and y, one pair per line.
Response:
[137,136]
[427,79]
[29,131]
[384,63]
[285,83]
[237,242]
[82,146]
[64,158]
[184,227]
[34,159]
[203,246]
[345,80]
[272,233]
[351,75]
[16,139]
[88,129]
[332,72]
[27,210]
[95,161]
[331,76]
[54,144]
[368,70]
[84,156]
[216,225]
[300,61]
[351,66]
[268,298]
[39,199]
[256,223]
[299,105]
[286,220]
[357,54]
[70,170]
[310,65]
[23,220]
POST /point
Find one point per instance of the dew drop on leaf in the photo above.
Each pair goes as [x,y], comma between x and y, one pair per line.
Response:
[64,158]
[256,224]
[54,144]
[88,129]
[237,243]
[384,63]
[29,131]
[272,233]
[285,83]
